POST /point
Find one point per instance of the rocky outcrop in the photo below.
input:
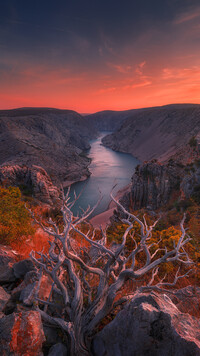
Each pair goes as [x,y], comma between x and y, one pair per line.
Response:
[152,185]
[34,178]
[190,184]
[149,325]
[156,132]
[21,334]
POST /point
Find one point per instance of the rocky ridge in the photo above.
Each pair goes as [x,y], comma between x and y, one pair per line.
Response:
[156,133]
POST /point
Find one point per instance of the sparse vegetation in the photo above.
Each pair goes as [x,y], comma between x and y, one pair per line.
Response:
[193,142]
[15,221]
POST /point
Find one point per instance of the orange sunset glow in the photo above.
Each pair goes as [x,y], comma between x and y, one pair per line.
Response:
[88,62]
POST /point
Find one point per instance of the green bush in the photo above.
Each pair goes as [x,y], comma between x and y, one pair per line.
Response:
[15,220]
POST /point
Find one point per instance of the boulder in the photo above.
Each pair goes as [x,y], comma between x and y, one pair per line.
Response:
[4,297]
[58,349]
[27,295]
[22,267]
[6,274]
[7,255]
[7,258]
[21,334]
[149,325]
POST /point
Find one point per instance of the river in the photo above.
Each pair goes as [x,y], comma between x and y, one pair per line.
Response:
[108,168]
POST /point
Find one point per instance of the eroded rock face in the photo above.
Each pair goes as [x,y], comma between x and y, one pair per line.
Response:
[152,185]
[149,325]
[21,334]
[35,178]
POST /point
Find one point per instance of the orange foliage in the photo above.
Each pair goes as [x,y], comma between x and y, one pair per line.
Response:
[37,242]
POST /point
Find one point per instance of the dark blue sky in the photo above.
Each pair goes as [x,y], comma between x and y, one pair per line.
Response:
[89,55]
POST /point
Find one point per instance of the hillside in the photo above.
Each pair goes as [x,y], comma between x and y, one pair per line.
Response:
[51,138]
[158,132]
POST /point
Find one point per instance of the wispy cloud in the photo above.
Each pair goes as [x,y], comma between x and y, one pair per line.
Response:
[187,16]
[139,69]
[121,68]
[191,74]
[106,90]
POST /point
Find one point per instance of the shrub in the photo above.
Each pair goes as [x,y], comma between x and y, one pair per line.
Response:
[15,220]
[193,142]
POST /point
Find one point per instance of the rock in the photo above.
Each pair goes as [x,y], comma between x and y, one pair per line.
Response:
[7,256]
[4,297]
[149,325]
[35,178]
[58,349]
[45,287]
[187,300]
[22,267]
[152,185]
[27,295]
[53,336]
[190,184]
[21,334]
[6,275]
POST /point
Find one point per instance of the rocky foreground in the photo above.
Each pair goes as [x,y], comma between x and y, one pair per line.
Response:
[150,324]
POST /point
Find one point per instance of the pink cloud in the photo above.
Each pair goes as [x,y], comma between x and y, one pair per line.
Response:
[139,69]
[121,68]
[187,16]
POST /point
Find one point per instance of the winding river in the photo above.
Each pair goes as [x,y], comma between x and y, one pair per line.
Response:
[108,168]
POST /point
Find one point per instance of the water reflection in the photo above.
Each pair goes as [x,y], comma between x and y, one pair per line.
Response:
[107,169]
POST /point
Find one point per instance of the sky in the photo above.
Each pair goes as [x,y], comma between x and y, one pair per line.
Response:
[92,55]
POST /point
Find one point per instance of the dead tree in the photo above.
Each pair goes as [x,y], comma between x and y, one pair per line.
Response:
[86,303]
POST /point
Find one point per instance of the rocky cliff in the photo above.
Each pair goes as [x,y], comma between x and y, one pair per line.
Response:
[152,185]
[156,132]
[48,138]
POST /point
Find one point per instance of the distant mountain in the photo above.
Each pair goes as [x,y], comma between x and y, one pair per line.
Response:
[156,132]
[108,120]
